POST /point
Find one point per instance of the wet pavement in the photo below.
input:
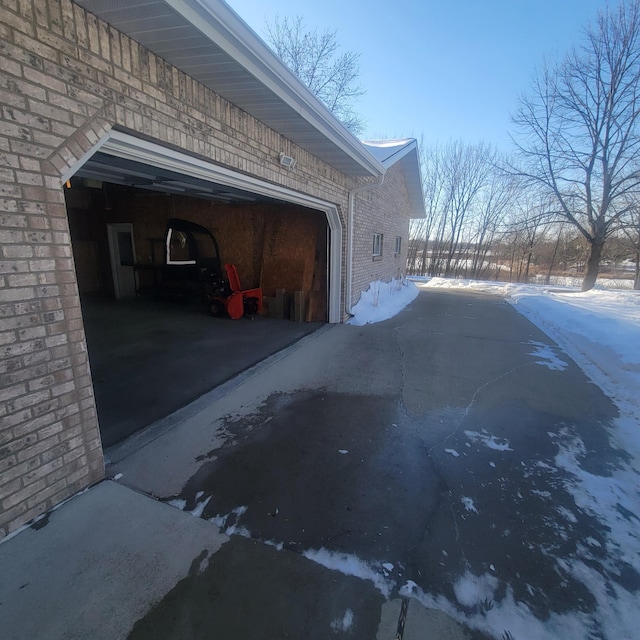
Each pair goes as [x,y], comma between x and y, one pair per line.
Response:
[449,473]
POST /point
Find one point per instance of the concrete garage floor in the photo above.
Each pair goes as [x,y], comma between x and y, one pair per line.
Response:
[151,357]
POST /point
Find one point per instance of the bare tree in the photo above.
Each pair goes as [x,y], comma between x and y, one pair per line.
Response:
[316,59]
[466,170]
[422,229]
[496,198]
[466,197]
[632,233]
[528,228]
[579,130]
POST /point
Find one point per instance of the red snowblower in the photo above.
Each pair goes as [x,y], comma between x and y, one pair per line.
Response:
[192,259]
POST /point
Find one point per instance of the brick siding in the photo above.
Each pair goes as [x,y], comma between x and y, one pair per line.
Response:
[66,79]
[382,210]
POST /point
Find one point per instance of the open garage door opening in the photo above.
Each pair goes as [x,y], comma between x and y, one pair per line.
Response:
[153,345]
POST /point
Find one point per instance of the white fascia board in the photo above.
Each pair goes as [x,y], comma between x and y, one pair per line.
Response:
[410,159]
[398,153]
[412,164]
[218,22]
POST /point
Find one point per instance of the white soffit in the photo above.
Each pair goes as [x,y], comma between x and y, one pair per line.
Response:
[208,41]
[405,151]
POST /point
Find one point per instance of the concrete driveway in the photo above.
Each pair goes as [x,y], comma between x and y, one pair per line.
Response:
[409,478]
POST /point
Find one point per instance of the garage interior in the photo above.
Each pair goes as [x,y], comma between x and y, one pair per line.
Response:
[154,348]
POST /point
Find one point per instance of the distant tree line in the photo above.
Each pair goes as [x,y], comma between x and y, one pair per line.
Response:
[486,222]
[568,199]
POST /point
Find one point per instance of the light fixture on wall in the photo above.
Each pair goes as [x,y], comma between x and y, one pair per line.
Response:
[287,161]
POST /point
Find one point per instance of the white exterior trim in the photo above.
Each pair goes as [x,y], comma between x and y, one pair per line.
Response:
[124,145]
[222,25]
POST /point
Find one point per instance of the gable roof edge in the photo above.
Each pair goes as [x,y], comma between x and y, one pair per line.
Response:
[389,153]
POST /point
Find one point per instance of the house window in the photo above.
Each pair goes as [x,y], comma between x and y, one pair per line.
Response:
[398,245]
[377,245]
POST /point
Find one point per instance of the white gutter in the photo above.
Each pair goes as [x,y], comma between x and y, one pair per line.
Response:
[351,213]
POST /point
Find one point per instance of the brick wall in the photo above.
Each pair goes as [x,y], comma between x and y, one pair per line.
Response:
[66,79]
[384,210]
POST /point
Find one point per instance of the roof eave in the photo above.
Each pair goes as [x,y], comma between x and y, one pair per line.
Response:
[228,31]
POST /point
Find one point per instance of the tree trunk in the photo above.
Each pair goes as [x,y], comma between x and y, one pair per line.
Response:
[553,260]
[593,264]
[636,280]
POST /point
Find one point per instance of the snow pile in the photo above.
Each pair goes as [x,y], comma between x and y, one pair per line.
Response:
[473,590]
[383,300]
[513,619]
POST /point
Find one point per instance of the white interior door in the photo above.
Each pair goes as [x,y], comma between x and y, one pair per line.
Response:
[122,251]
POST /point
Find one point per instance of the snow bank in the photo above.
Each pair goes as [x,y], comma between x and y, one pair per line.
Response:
[383,300]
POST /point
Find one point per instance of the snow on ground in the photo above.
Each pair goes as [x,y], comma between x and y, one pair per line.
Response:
[600,331]
[343,624]
[489,441]
[383,300]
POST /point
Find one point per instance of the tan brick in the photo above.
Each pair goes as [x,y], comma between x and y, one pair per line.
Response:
[39,222]
[65,492]
[8,205]
[12,519]
[36,358]
[7,463]
[8,337]
[28,401]
[11,295]
[29,164]
[15,250]
[79,17]
[7,393]
[21,496]
[37,448]
[28,149]
[42,471]
[79,478]
[45,496]
[13,420]
[23,119]
[18,22]
[22,280]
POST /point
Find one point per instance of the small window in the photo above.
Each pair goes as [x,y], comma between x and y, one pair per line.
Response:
[377,244]
[398,245]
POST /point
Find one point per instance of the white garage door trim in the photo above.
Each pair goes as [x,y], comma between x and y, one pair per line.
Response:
[123,145]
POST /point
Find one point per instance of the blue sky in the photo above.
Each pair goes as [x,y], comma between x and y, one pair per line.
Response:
[442,69]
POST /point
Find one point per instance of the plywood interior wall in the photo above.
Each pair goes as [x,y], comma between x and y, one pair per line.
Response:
[273,245]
